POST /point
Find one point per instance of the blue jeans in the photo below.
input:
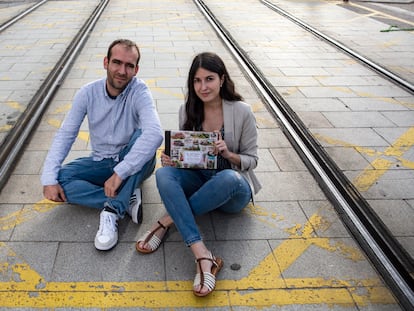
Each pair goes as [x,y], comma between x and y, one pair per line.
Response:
[83,181]
[188,193]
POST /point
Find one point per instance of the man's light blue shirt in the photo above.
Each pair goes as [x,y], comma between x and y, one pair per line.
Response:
[111,125]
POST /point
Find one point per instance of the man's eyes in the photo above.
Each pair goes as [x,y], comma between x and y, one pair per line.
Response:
[117,62]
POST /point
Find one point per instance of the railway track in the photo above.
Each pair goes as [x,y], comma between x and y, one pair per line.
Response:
[18,135]
[387,255]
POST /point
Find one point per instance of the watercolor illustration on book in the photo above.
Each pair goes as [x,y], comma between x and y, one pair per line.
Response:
[191,149]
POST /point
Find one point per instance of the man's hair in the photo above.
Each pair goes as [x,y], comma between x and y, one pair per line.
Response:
[125,42]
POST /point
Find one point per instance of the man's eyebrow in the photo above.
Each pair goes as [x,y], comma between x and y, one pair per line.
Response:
[121,62]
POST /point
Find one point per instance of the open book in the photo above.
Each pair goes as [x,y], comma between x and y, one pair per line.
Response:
[191,149]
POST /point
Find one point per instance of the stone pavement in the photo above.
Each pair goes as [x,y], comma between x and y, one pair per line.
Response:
[292,250]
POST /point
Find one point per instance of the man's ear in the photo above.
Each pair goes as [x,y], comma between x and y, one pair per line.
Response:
[105,62]
[136,69]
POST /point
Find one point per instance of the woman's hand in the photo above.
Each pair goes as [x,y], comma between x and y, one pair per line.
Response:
[165,160]
[221,146]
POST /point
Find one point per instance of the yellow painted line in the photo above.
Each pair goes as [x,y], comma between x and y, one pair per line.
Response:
[380,14]
[390,100]
[63,108]
[5,128]
[13,219]
[338,142]
[379,166]
[175,299]
[15,105]
[370,176]
[264,285]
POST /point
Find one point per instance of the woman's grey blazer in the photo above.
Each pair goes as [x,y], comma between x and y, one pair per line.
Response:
[240,135]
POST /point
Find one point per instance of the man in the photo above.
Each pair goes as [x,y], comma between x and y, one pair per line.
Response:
[125,132]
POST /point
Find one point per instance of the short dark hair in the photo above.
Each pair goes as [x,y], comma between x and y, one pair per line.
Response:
[125,42]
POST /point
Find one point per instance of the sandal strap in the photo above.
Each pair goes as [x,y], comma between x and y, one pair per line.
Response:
[212,259]
[154,242]
[160,225]
[209,280]
[151,234]
[151,239]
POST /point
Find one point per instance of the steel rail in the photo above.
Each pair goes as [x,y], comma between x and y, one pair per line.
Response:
[366,61]
[366,228]
[18,135]
[18,17]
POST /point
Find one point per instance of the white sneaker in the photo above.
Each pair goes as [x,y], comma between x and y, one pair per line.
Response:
[107,235]
[135,206]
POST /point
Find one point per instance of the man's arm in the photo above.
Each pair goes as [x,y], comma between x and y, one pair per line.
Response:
[111,185]
[147,144]
[54,193]
[60,148]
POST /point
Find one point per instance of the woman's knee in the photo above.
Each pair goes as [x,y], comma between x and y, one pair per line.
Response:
[230,177]
[164,175]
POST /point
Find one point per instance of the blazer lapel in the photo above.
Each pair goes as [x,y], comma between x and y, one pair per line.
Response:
[228,116]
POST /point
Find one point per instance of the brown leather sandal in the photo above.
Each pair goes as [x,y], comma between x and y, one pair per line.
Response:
[207,279]
[153,241]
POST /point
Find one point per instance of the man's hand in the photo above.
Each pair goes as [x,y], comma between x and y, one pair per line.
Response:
[111,185]
[54,193]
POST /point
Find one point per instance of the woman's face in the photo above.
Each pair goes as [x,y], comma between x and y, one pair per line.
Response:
[207,85]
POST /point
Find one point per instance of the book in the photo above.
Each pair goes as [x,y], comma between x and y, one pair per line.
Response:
[191,149]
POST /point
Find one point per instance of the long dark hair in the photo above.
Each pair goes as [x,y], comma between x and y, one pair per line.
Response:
[194,106]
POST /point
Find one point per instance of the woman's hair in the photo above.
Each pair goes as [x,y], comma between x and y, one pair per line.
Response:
[194,106]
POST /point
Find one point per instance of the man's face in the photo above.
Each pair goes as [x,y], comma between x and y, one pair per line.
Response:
[121,68]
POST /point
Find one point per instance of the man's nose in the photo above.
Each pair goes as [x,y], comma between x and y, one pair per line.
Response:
[123,69]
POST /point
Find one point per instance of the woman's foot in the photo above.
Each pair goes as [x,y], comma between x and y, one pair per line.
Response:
[205,279]
[152,239]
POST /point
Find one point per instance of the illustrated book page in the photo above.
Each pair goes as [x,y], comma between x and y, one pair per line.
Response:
[191,149]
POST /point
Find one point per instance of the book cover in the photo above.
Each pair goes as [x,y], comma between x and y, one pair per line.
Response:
[191,149]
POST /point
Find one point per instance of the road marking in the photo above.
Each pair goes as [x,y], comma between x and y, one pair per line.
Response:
[378,167]
[264,286]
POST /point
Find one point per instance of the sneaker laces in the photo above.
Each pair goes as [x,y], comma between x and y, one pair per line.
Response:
[107,223]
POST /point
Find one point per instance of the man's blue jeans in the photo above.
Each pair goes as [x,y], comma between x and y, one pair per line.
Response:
[187,193]
[83,181]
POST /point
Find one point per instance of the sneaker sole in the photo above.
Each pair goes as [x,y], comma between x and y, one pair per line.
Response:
[137,215]
[105,248]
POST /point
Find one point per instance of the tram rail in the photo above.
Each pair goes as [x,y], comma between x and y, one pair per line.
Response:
[19,16]
[386,254]
[395,78]
[20,132]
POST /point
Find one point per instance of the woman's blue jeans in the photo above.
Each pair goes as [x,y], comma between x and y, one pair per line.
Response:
[83,181]
[187,193]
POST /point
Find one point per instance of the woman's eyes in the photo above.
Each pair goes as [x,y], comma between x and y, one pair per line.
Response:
[207,79]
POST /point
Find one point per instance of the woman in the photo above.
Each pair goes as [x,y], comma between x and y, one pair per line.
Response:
[211,105]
